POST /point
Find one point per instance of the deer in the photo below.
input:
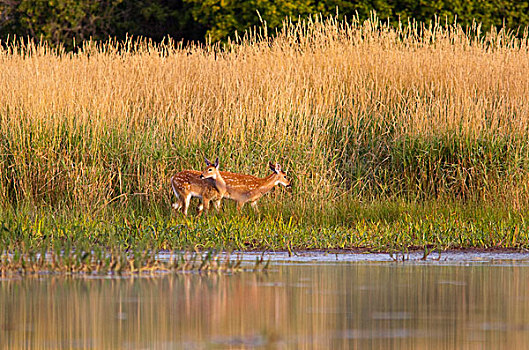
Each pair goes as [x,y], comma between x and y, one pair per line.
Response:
[247,188]
[207,185]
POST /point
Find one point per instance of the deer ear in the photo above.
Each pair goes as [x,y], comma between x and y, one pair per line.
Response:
[272,166]
[278,168]
[208,163]
[217,162]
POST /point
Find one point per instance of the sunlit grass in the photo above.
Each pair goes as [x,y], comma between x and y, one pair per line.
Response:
[372,123]
[374,227]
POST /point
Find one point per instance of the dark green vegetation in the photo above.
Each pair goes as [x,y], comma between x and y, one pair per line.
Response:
[62,21]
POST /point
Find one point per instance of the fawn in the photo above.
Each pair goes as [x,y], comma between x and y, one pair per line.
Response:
[247,188]
[208,185]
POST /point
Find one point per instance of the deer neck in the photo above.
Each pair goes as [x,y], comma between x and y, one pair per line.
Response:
[220,184]
[267,183]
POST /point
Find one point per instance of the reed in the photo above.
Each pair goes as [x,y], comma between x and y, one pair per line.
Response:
[358,112]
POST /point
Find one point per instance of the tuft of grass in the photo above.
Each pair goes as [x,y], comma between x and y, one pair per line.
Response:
[65,260]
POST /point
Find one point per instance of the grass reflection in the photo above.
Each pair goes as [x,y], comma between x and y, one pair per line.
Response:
[298,306]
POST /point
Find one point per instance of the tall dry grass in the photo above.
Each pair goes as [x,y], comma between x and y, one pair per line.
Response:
[353,110]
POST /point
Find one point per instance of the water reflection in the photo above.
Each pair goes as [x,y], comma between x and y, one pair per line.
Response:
[382,305]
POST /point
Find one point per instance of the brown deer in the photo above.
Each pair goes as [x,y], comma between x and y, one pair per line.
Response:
[207,185]
[247,188]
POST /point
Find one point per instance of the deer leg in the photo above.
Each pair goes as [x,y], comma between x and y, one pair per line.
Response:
[204,207]
[239,206]
[177,205]
[254,206]
[216,204]
[186,204]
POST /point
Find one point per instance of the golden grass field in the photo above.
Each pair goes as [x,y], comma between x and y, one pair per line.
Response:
[355,111]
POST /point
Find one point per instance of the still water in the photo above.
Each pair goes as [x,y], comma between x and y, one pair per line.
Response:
[309,302]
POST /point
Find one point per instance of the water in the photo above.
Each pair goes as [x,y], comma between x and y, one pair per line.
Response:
[463,301]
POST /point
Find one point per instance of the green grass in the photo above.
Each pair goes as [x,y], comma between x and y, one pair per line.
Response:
[378,226]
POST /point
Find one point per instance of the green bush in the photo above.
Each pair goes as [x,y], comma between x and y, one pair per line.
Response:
[63,21]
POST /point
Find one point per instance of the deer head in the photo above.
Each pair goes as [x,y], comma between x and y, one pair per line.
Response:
[279,175]
[211,171]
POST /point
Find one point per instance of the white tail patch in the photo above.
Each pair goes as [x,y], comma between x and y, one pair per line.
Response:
[174,190]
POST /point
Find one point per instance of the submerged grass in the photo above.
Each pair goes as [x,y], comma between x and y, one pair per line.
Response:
[64,259]
[378,126]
